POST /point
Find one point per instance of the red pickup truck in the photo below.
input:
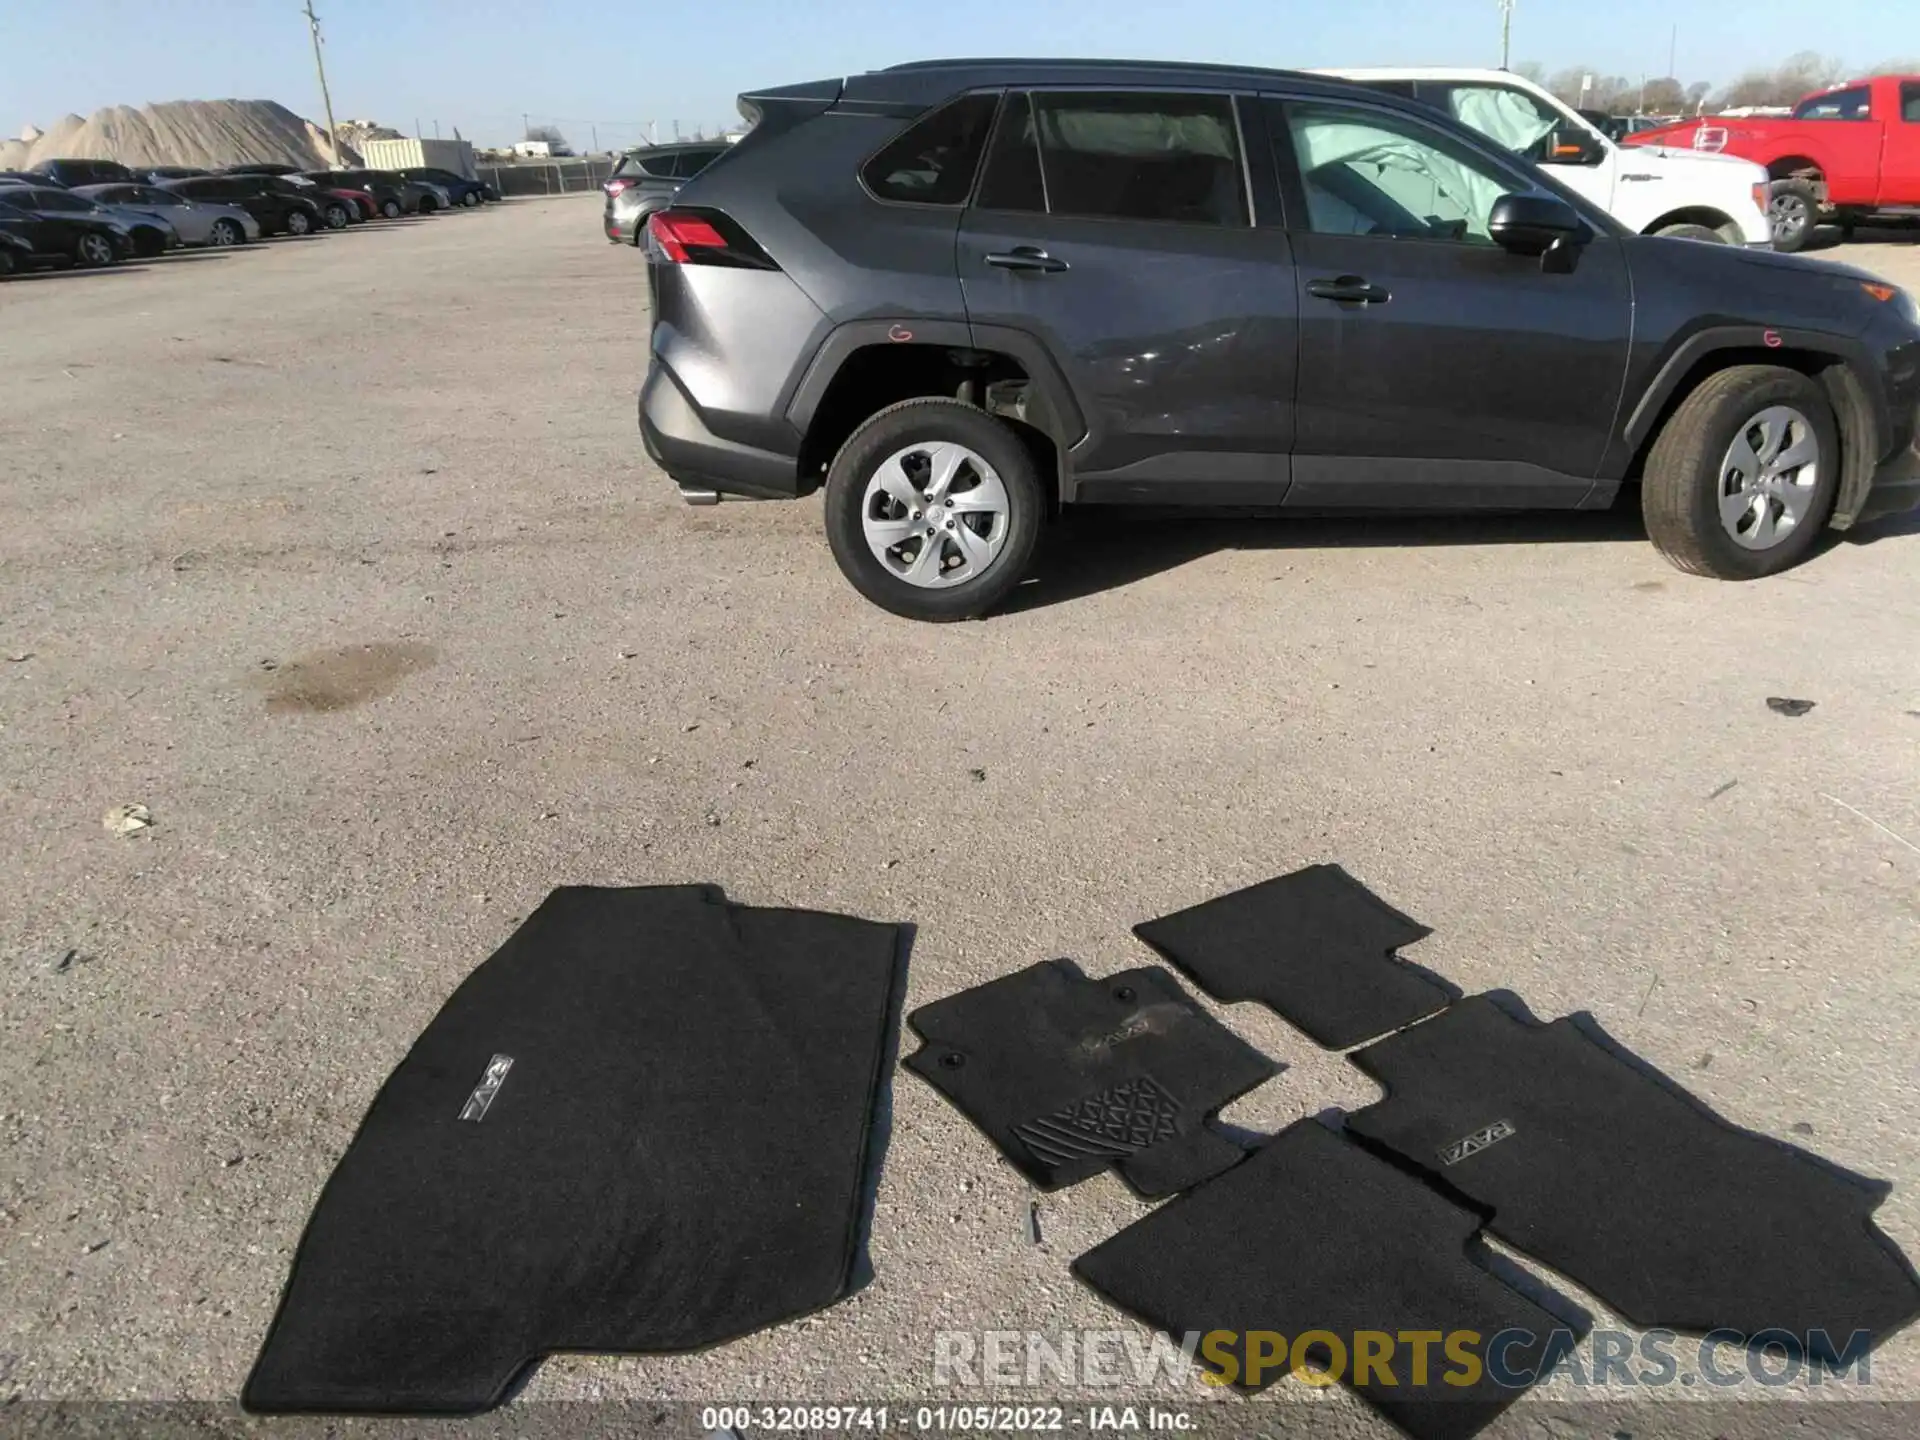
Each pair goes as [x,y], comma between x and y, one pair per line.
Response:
[1844,153]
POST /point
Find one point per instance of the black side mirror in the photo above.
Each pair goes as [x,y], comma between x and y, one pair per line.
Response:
[1535,224]
[1572,145]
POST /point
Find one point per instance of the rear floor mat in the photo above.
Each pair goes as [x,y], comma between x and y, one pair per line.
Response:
[641,1126]
[1315,947]
[1069,1075]
[1313,1234]
[1610,1173]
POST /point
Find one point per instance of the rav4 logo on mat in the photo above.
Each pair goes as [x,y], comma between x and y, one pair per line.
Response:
[489,1086]
[1476,1142]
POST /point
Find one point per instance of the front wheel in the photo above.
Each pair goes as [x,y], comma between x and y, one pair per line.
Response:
[933,508]
[224,233]
[93,251]
[1794,208]
[336,217]
[470,199]
[1703,233]
[390,209]
[298,223]
[7,262]
[1743,474]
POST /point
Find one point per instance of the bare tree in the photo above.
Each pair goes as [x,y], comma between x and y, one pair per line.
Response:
[1531,70]
[1797,75]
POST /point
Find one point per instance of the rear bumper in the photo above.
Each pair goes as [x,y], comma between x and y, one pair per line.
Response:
[678,441]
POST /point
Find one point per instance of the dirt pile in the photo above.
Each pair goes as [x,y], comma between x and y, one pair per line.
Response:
[204,133]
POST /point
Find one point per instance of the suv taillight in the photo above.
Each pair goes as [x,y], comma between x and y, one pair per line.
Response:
[614,187]
[705,237]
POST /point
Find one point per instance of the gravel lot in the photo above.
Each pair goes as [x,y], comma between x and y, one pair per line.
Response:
[343,557]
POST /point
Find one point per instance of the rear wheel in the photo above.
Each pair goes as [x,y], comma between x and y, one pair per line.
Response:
[225,232]
[336,217]
[1794,208]
[298,223]
[1692,232]
[470,199]
[933,508]
[390,208]
[93,251]
[1744,474]
[7,263]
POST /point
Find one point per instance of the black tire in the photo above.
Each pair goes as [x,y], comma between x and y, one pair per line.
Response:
[428,204]
[1704,233]
[298,224]
[471,199]
[1794,208]
[224,233]
[91,252]
[336,217]
[898,428]
[1680,492]
[7,263]
[391,209]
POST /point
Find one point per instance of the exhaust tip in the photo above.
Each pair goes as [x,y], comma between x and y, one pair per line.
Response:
[699,497]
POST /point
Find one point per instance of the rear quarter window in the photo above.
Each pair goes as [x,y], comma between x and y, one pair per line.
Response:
[932,162]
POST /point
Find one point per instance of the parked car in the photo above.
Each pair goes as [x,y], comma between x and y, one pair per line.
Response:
[338,207]
[197,222]
[1684,196]
[280,209]
[22,177]
[253,167]
[393,194]
[81,240]
[149,234]
[955,294]
[154,174]
[460,189]
[1843,154]
[1617,127]
[647,180]
[16,252]
[81,172]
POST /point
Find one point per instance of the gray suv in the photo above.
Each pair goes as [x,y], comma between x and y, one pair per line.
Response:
[958,295]
[647,180]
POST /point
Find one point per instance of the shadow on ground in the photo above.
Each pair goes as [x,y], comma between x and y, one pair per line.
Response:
[1105,548]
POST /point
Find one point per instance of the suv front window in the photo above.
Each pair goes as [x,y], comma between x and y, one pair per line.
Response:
[1854,104]
[1370,173]
[1511,118]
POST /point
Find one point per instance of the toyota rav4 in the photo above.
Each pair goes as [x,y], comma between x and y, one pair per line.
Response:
[961,294]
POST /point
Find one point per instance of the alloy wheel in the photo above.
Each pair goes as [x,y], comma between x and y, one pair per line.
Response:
[225,232]
[935,514]
[1790,214]
[297,223]
[1769,477]
[95,250]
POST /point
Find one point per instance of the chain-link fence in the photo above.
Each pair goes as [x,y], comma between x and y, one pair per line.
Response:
[548,177]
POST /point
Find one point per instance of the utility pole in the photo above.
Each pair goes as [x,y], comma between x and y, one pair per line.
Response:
[1673,44]
[526,125]
[320,67]
[596,139]
[1506,31]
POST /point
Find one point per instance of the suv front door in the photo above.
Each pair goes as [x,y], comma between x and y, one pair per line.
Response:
[1116,226]
[1437,369]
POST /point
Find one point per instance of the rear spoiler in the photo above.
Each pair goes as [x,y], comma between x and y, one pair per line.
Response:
[777,109]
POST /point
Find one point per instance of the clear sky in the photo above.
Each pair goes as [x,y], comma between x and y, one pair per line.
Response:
[481,64]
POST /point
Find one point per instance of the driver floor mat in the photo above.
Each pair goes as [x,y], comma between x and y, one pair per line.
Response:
[1314,1240]
[1315,947]
[1610,1173]
[1069,1075]
[641,1126]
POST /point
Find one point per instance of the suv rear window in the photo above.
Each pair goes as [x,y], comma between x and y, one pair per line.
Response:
[1129,156]
[932,161]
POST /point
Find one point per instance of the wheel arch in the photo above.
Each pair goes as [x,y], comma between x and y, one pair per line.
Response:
[865,366]
[1840,366]
[1690,215]
[1797,167]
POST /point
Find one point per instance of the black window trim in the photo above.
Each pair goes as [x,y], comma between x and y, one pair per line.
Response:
[1286,161]
[1250,216]
[979,161]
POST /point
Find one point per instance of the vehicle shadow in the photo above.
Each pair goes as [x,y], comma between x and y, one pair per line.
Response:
[1874,531]
[1100,548]
[28,277]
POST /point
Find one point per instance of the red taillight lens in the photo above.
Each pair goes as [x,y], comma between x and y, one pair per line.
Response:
[705,237]
[614,187]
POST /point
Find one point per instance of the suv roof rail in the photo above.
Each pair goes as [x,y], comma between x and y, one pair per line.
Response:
[1039,63]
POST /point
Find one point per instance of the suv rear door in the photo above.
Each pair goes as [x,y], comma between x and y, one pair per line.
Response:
[1468,376]
[1118,227]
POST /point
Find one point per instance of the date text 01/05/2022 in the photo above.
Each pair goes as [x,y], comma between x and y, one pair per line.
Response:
[936,1419]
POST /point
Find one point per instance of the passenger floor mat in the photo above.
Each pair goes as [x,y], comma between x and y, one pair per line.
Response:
[1315,1234]
[641,1126]
[1315,947]
[1600,1167]
[1069,1075]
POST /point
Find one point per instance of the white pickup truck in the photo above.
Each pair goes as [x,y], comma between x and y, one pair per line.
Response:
[1687,194]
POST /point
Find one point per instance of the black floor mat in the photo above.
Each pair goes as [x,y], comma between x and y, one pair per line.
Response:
[1069,1075]
[1623,1182]
[1315,947]
[1313,1233]
[641,1126]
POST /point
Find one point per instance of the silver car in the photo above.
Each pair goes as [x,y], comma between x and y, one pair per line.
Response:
[647,180]
[198,222]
